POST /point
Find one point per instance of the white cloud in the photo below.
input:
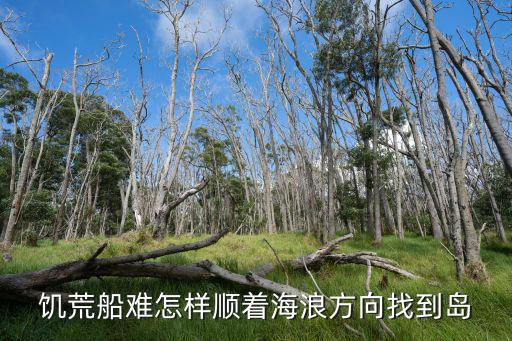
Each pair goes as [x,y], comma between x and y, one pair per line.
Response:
[209,16]
[7,51]
[393,16]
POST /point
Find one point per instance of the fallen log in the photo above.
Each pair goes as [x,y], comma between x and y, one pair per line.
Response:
[28,286]
[314,260]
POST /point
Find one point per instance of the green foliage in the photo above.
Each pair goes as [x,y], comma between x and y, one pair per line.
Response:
[395,115]
[17,97]
[37,207]
[351,205]
[5,172]
[365,131]
[102,130]
[224,197]
[213,155]
[349,53]
[360,157]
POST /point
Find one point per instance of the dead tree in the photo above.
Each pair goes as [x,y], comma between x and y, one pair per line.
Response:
[93,80]
[23,177]
[173,11]
[439,41]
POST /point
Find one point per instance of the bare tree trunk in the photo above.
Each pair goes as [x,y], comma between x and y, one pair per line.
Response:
[12,185]
[481,161]
[388,213]
[486,108]
[280,180]
[125,200]
[473,262]
[78,103]
[456,226]
[27,157]
[330,228]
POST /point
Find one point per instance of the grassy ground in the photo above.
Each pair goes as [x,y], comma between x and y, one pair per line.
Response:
[491,304]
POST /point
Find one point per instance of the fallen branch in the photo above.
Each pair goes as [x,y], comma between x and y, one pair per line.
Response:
[379,262]
[316,258]
[251,279]
[312,260]
[24,286]
[279,261]
[163,252]
[330,300]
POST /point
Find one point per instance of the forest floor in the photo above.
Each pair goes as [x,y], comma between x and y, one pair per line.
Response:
[491,317]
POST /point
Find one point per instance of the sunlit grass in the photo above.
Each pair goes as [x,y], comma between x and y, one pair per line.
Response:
[491,304]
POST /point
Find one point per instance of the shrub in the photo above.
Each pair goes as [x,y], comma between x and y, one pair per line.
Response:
[30,238]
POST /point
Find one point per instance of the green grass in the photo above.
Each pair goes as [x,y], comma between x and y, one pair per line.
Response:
[491,304]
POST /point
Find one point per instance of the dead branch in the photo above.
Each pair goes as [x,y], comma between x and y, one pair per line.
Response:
[278,260]
[379,262]
[20,287]
[191,191]
[163,252]
[312,260]
[316,258]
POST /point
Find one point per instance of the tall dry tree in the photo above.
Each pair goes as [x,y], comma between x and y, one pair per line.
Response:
[472,259]
[256,112]
[485,104]
[7,26]
[93,79]
[182,33]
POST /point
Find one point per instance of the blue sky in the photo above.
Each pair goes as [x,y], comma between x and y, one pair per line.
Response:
[88,25]
[63,25]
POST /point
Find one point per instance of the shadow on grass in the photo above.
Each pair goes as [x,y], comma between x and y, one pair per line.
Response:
[499,247]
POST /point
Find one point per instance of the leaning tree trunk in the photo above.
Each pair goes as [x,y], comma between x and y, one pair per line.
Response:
[439,41]
[473,261]
[27,157]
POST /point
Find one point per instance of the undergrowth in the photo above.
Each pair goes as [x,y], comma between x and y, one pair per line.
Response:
[491,303]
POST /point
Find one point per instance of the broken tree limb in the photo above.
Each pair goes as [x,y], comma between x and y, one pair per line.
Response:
[98,252]
[21,286]
[278,260]
[312,260]
[251,279]
[163,252]
[383,324]
[189,192]
[379,262]
[317,258]
[276,287]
